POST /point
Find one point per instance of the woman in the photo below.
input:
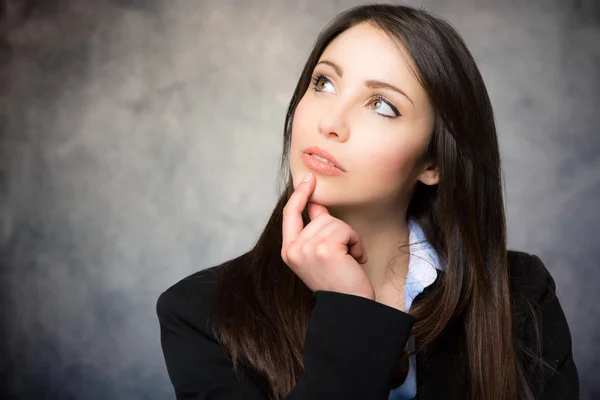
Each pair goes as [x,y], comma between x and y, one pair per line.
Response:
[383,274]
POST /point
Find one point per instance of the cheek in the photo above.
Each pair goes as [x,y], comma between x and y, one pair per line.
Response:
[299,131]
[303,128]
[388,163]
[385,172]
[301,118]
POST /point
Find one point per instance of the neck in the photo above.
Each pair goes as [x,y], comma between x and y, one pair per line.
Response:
[382,232]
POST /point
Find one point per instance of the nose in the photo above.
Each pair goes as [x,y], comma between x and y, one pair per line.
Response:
[334,124]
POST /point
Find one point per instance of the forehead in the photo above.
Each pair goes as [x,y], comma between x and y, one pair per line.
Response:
[367,52]
[368,38]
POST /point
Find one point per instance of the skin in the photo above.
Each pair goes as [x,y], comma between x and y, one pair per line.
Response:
[364,208]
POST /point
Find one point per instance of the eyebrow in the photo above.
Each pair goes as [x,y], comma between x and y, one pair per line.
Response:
[371,83]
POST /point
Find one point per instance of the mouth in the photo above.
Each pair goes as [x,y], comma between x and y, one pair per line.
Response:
[320,166]
[324,156]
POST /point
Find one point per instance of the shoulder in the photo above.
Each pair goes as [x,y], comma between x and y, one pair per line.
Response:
[540,323]
[189,300]
[538,315]
[542,330]
[530,279]
[533,293]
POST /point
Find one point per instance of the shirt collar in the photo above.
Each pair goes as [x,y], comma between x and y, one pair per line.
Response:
[423,263]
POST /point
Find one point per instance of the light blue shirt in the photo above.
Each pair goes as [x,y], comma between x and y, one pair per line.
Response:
[422,271]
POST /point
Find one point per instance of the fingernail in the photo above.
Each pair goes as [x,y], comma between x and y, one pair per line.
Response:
[307,177]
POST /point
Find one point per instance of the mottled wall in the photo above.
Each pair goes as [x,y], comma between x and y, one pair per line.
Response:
[140,142]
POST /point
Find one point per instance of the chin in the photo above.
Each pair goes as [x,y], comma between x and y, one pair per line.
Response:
[319,197]
[324,196]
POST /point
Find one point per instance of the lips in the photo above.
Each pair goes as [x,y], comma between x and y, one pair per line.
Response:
[322,153]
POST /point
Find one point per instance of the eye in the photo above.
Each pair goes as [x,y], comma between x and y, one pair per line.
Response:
[317,80]
[380,103]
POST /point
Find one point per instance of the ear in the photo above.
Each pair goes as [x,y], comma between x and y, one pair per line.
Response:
[430,175]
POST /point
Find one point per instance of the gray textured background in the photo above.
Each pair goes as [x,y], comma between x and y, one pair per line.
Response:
[140,142]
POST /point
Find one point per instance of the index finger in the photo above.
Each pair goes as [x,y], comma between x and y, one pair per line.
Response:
[292,212]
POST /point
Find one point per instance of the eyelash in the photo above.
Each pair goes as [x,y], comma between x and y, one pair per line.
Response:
[318,76]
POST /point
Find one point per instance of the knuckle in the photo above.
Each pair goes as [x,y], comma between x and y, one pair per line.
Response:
[305,251]
[322,250]
[292,252]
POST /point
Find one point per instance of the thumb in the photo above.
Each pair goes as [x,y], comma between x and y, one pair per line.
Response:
[314,210]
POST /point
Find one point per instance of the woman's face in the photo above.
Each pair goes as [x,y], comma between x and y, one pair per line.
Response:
[375,133]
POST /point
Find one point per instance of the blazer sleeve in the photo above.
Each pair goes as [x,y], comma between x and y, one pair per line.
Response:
[559,379]
[351,348]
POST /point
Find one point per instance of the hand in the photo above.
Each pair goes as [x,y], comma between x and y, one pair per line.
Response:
[326,253]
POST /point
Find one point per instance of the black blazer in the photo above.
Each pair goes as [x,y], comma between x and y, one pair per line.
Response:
[353,344]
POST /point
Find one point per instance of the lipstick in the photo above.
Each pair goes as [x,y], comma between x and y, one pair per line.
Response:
[322,162]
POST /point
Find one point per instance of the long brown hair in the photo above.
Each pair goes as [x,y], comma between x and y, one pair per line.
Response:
[262,308]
